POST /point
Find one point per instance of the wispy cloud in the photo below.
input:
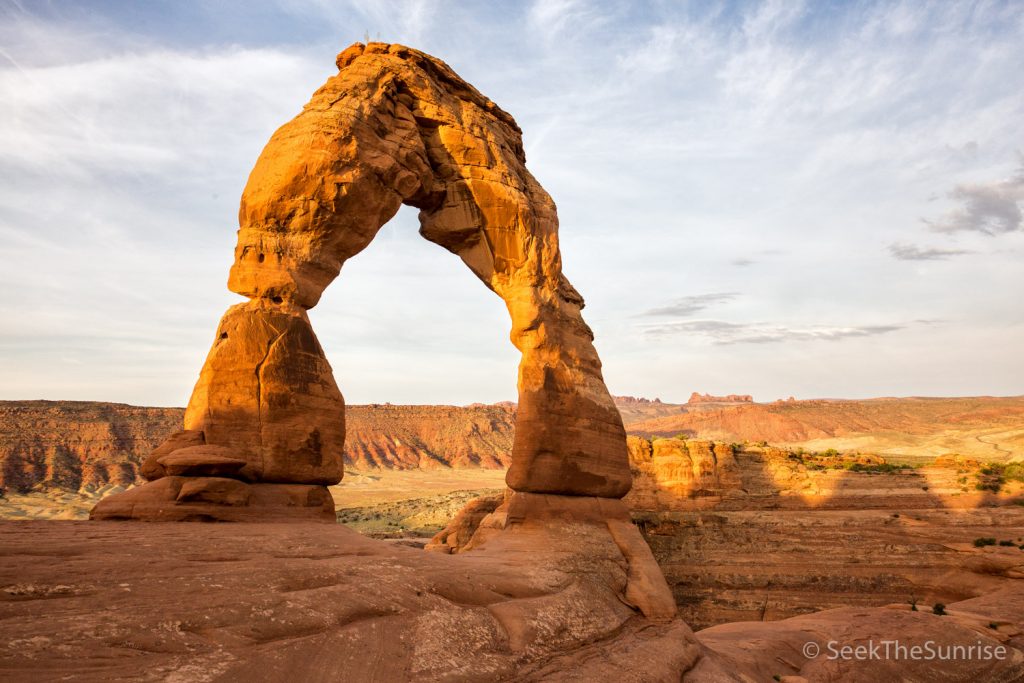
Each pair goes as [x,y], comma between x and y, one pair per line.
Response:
[552,19]
[912,252]
[688,305]
[722,332]
[987,208]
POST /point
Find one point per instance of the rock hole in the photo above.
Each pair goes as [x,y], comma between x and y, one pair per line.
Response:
[277,299]
[223,335]
[261,258]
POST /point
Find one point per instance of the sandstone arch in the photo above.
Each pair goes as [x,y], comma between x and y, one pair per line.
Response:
[394,126]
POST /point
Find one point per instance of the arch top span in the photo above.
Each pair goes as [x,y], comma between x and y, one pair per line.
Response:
[394,126]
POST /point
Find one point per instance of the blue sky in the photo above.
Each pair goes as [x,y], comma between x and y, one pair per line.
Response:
[775,198]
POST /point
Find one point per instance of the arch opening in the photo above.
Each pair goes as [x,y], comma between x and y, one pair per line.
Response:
[404,324]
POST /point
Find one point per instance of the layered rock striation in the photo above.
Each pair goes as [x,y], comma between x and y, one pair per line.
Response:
[428,437]
[77,445]
[89,446]
[696,397]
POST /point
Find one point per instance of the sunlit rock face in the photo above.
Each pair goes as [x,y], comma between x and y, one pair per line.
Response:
[394,126]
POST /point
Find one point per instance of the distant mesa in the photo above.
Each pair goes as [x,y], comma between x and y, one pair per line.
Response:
[633,400]
[729,398]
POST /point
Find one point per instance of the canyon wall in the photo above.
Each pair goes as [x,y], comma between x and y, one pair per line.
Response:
[76,445]
[90,445]
[754,534]
[87,445]
[983,426]
[407,437]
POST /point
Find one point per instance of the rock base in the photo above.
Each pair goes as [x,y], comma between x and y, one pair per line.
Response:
[218,499]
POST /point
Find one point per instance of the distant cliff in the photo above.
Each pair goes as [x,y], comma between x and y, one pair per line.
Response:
[87,445]
[986,427]
[729,398]
[406,437]
[76,445]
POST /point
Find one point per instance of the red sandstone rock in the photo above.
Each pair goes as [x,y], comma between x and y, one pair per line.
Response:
[729,398]
[267,393]
[217,499]
[152,468]
[458,532]
[394,127]
[277,602]
[77,445]
[201,461]
[669,470]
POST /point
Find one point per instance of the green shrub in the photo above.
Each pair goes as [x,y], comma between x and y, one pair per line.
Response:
[1014,472]
[982,542]
[1007,543]
[939,608]
[881,468]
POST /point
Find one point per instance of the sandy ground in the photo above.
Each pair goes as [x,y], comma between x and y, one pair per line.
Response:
[409,503]
[371,487]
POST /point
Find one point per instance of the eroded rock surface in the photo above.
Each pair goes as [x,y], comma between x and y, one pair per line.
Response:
[765,534]
[102,601]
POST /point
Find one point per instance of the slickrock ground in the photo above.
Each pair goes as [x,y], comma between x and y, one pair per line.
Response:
[160,601]
[101,601]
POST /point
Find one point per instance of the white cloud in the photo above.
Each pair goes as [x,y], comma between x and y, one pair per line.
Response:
[723,332]
[987,208]
[688,305]
[912,252]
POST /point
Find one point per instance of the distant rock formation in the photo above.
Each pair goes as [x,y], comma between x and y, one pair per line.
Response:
[635,409]
[88,446]
[633,400]
[928,426]
[729,398]
[77,445]
[405,437]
